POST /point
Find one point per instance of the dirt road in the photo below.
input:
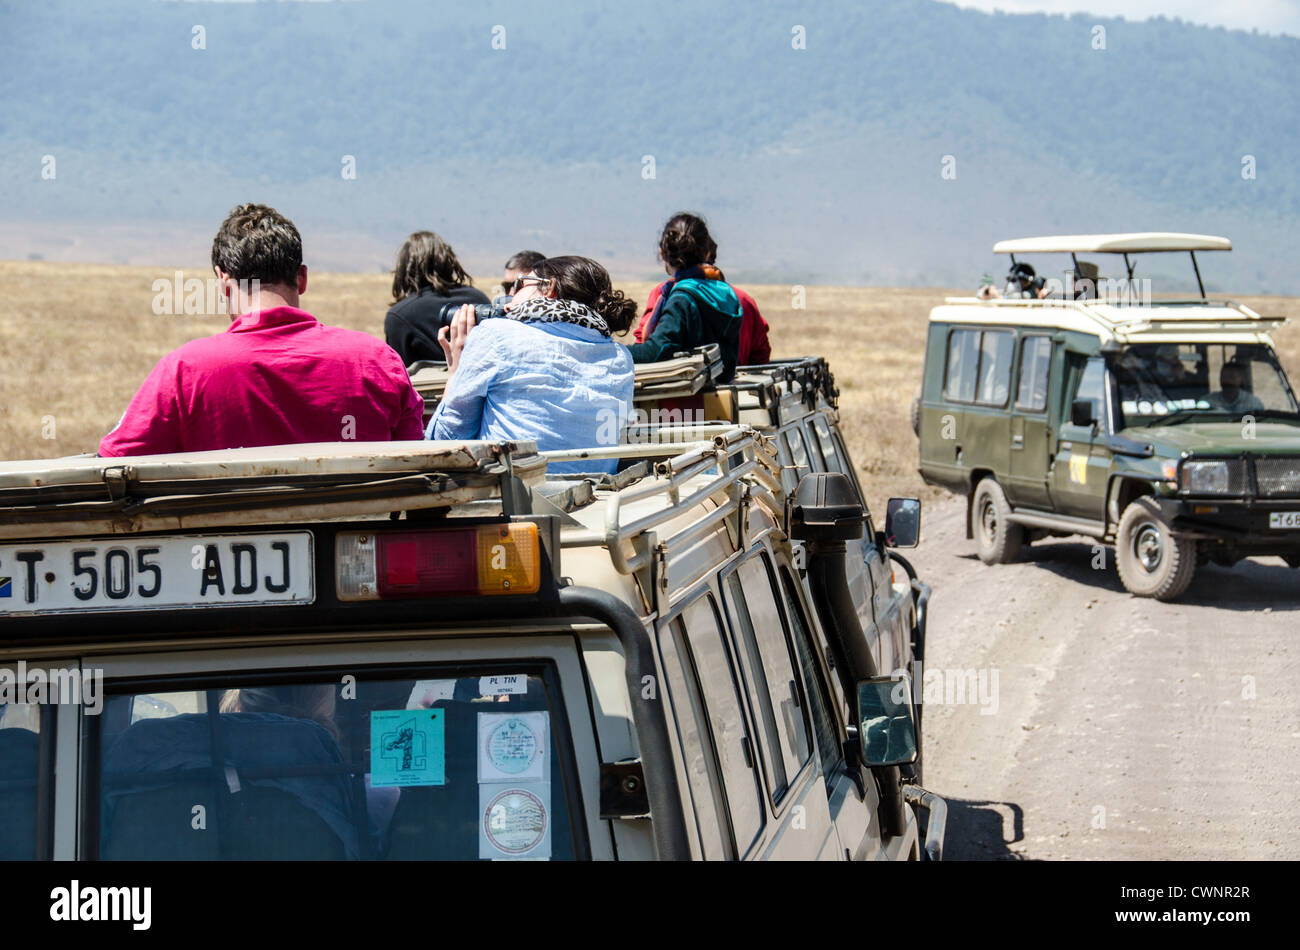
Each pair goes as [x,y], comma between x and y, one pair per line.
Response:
[1123,728]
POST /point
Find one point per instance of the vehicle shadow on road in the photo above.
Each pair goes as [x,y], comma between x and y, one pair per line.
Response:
[983,831]
[1249,585]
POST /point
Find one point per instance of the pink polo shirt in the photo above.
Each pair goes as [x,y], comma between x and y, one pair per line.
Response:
[275,377]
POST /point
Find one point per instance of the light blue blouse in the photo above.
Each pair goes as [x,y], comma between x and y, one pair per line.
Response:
[559,384]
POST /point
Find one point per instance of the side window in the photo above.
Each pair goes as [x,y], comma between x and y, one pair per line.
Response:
[1035,360]
[995,367]
[25,786]
[1092,387]
[819,702]
[726,721]
[798,451]
[830,454]
[963,359]
[697,748]
[771,671]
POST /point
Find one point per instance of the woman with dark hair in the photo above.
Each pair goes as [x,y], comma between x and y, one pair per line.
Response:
[551,373]
[697,306]
[427,276]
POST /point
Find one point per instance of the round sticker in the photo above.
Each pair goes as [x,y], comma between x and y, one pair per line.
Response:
[512,746]
[515,821]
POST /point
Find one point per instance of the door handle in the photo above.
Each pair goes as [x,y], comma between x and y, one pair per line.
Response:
[1017,441]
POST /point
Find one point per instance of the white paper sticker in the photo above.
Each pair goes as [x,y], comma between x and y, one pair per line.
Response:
[512,746]
[515,684]
[514,821]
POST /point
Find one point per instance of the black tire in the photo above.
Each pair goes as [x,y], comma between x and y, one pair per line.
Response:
[1152,560]
[997,540]
[916,412]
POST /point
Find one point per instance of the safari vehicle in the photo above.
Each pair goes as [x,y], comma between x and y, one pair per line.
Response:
[430,650]
[1166,427]
[794,403]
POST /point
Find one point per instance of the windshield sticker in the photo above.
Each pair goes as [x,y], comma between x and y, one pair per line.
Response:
[515,821]
[407,747]
[512,746]
[515,684]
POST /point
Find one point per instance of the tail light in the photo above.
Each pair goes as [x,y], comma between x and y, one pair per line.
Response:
[447,562]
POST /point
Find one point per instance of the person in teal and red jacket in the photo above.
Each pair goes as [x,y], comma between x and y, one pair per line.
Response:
[697,306]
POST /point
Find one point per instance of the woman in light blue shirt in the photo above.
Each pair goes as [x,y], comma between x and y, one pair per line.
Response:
[551,373]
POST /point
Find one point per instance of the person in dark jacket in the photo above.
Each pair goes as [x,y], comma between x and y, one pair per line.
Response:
[427,277]
[696,306]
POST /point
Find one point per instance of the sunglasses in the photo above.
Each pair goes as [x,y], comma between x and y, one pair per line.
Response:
[521,282]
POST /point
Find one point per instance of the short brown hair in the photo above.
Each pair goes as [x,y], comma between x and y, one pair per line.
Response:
[426,260]
[256,242]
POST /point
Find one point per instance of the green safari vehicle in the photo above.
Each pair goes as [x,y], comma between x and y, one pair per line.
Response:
[1166,428]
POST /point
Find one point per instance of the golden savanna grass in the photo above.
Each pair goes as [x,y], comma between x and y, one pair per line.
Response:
[77,340]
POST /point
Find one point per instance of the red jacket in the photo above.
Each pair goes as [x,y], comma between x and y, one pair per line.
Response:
[754,345]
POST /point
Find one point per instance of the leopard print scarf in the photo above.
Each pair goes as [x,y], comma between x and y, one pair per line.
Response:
[546,310]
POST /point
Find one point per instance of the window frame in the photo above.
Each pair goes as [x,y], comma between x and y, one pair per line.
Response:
[981,332]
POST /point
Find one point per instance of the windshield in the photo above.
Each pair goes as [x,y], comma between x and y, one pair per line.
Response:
[454,765]
[1156,380]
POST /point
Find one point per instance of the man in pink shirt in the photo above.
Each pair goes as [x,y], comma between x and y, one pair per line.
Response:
[276,376]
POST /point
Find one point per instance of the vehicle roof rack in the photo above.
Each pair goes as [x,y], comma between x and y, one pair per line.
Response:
[52,497]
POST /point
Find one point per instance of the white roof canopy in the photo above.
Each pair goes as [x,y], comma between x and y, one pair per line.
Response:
[1138,243]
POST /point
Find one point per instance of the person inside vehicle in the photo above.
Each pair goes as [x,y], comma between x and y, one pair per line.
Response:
[518,265]
[1232,395]
[697,306]
[277,376]
[1022,282]
[550,372]
[426,277]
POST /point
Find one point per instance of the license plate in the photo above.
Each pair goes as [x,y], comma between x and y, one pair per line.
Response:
[1284,519]
[244,570]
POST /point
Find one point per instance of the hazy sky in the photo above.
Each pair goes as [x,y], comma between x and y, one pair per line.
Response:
[1267,16]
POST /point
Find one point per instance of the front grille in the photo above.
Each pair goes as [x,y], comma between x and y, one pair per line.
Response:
[1278,476]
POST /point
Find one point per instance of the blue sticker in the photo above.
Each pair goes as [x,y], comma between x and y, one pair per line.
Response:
[407,747]
[6,587]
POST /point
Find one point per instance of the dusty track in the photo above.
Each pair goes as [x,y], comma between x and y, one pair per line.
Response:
[1124,727]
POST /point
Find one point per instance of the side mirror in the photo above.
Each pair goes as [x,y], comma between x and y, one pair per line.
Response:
[903,522]
[825,507]
[1081,413]
[886,723]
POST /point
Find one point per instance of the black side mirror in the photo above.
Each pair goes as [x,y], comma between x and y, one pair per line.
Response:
[1081,412]
[903,522]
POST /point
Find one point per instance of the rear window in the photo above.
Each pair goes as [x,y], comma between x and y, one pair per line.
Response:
[25,783]
[459,764]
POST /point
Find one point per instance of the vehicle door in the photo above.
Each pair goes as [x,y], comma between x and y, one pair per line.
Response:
[853,806]
[1081,466]
[978,384]
[1031,443]
[796,797]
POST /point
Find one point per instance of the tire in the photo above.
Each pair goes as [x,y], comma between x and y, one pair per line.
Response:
[1152,560]
[916,413]
[997,540]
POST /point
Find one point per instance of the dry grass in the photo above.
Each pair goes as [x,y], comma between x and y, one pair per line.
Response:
[77,340]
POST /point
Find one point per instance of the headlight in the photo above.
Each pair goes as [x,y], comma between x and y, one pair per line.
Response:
[1208,478]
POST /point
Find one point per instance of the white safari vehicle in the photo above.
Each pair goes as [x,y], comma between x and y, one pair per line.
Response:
[405,651]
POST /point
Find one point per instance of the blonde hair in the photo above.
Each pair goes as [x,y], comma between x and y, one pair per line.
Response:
[312,701]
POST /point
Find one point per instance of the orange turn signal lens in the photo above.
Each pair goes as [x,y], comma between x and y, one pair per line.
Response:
[509,559]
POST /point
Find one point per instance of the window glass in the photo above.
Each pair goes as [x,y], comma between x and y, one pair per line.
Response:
[830,453]
[1092,387]
[819,701]
[463,765]
[1163,379]
[700,760]
[24,785]
[771,669]
[798,452]
[963,359]
[995,367]
[735,751]
[1035,360]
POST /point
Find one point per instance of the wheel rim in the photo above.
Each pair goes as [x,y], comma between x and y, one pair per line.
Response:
[1148,547]
[989,522]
